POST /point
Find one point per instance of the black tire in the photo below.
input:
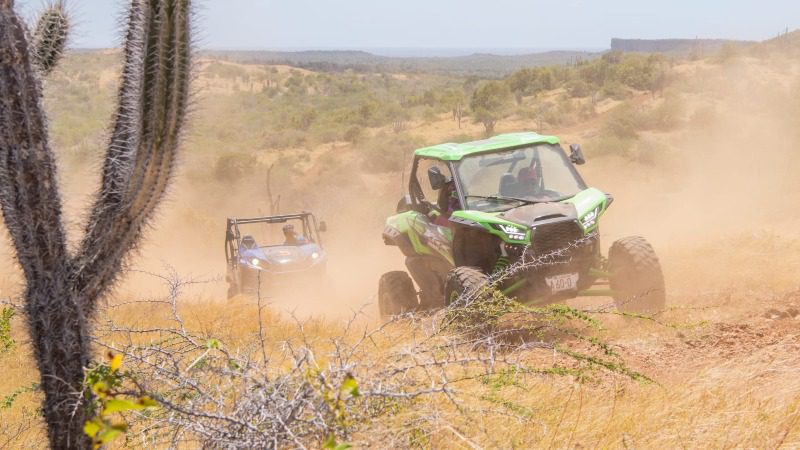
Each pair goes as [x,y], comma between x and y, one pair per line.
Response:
[636,276]
[396,294]
[465,280]
[233,290]
[429,273]
[473,313]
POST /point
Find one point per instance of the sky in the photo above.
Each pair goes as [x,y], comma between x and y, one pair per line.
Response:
[505,25]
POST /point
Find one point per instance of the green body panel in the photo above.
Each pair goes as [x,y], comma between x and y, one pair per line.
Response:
[589,201]
[401,222]
[419,230]
[486,220]
[456,152]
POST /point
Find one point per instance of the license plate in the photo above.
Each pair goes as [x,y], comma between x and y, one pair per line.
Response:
[560,283]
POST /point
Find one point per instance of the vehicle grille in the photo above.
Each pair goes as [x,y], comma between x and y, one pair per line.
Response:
[556,236]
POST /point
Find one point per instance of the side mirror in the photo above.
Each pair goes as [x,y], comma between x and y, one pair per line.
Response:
[576,154]
[437,178]
[404,204]
[323,226]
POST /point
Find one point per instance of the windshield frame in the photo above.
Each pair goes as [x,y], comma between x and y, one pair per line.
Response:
[459,182]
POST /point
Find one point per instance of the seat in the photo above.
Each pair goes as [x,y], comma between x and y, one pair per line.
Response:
[508,184]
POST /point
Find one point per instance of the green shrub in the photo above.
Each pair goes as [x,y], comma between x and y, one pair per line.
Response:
[353,134]
[461,138]
[607,145]
[666,116]
[387,152]
[624,123]
[285,139]
[614,90]
[233,166]
[578,88]
[6,341]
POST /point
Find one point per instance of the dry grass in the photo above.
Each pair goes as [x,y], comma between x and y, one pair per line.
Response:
[720,384]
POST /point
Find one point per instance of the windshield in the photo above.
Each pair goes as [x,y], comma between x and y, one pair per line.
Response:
[265,234]
[503,180]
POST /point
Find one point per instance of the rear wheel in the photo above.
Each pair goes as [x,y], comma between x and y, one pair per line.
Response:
[636,276]
[233,283]
[396,294]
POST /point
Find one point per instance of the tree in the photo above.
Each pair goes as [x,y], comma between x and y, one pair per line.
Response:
[490,103]
[398,115]
[62,286]
[454,99]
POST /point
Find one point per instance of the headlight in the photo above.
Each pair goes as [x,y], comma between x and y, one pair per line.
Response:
[513,232]
[590,219]
[315,255]
[254,261]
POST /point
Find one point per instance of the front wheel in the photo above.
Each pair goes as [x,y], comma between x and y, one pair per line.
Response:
[470,301]
[233,290]
[396,294]
[465,285]
[637,277]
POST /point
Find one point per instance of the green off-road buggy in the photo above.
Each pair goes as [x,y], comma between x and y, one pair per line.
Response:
[510,212]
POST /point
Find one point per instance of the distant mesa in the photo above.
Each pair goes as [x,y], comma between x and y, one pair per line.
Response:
[680,46]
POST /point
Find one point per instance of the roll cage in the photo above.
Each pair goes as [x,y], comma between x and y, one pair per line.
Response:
[233,236]
[417,195]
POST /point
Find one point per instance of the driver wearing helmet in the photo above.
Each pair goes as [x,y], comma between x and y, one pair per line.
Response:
[292,237]
[529,183]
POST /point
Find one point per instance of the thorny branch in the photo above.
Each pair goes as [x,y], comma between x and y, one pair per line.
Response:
[307,388]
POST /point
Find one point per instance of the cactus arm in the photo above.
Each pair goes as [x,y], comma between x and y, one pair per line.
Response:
[29,195]
[141,156]
[50,36]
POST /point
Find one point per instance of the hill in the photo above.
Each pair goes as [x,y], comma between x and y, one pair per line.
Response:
[478,64]
[676,46]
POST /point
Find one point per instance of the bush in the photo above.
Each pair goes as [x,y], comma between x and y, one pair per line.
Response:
[353,134]
[387,152]
[231,167]
[666,116]
[606,145]
[285,139]
[624,123]
[578,89]
[461,138]
[614,90]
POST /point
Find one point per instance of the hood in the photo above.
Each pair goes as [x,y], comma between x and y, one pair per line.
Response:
[541,213]
[282,254]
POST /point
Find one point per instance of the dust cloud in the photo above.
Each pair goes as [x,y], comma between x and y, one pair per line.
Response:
[717,199]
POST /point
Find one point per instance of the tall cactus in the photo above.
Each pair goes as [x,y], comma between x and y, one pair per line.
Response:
[63,287]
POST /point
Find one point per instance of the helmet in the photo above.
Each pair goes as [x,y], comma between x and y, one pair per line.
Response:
[528,175]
